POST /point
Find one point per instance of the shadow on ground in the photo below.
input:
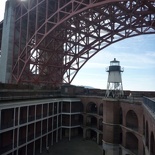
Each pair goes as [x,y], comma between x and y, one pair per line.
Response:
[77,146]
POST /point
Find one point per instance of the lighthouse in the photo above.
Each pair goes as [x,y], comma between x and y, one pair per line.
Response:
[114,83]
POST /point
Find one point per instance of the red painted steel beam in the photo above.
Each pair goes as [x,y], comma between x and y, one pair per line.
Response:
[53,39]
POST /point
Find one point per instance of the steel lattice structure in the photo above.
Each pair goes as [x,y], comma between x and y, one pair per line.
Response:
[53,39]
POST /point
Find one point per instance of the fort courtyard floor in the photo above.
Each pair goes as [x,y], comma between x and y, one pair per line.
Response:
[77,146]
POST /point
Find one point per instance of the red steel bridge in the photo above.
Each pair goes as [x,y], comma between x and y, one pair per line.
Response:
[53,39]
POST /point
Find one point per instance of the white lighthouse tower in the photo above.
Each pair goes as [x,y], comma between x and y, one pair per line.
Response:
[114,84]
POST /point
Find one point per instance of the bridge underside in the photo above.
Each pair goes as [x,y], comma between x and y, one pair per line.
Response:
[53,39]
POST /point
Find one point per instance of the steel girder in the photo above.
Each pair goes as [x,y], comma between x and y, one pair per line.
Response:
[53,39]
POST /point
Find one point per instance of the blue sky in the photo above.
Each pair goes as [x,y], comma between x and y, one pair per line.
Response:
[136,55]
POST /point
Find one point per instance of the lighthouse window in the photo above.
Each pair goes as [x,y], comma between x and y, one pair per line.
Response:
[114,63]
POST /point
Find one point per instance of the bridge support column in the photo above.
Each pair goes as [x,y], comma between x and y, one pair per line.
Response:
[7,43]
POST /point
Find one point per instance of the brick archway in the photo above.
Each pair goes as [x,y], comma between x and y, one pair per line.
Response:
[132,120]
[91,108]
[132,142]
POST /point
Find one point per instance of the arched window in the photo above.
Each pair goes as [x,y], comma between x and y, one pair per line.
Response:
[91,108]
[132,142]
[132,120]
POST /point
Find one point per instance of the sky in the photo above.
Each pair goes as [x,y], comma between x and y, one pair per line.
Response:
[136,56]
[2,9]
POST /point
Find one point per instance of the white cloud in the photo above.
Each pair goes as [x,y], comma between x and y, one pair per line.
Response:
[2,9]
[94,65]
[137,58]
[133,67]
[127,58]
[150,53]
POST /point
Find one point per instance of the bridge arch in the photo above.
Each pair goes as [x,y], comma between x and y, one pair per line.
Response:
[65,38]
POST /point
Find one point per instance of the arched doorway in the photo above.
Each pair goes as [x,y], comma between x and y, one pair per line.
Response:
[132,120]
[91,135]
[152,144]
[132,142]
[91,108]
[91,121]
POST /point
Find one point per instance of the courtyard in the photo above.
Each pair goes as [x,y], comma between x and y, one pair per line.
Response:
[77,146]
